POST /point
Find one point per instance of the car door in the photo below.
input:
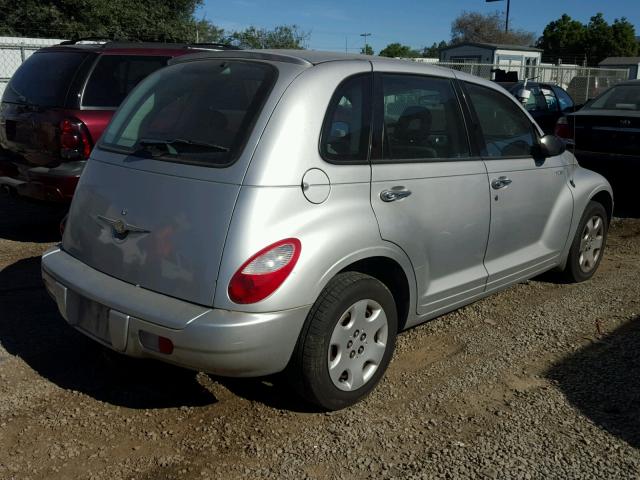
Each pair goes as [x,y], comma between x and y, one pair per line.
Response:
[531,204]
[428,192]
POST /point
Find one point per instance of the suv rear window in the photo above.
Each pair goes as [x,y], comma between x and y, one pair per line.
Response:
[196,112]
[44,79]
[114,76]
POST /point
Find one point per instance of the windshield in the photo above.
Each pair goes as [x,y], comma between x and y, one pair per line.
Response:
[197,112]
[623,97]
[44,79]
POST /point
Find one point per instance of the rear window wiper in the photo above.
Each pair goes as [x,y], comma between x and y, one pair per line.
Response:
[172,147]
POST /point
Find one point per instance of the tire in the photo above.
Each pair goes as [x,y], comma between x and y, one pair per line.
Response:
[587,248]
[347,341]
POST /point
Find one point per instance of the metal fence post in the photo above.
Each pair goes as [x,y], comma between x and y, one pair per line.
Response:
[588,81]
[22,54]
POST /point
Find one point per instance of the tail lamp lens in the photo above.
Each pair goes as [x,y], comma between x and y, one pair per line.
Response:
[563,130]
[74,139]
[264,272]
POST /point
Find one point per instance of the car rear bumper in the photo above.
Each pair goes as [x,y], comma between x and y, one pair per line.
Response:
[123,317]
[590,159]
[41,183]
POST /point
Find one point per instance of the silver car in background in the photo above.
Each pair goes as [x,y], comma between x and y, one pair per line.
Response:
[252,212]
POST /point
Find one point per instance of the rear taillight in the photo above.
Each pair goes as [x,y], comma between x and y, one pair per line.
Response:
[264,272]
[75,142]
[563,129]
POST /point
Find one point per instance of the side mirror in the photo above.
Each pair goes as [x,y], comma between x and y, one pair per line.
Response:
[551,146]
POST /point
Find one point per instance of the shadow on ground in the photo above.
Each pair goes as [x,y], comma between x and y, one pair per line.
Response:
[603,382]
[24,221]
[32,329]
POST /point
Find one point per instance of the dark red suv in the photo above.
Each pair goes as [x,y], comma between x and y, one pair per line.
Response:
[57,104]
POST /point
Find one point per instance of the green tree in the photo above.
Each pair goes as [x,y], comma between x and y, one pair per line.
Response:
[283,36]
[598,39]
[564,37]
[163,20]
[434,50]
[487,28]
[366,50]
[624,39]
[397,50]
[207,32]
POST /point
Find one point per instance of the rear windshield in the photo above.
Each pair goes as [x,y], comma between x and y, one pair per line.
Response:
[196,112]
[114,76]
[623,97]
[44,79]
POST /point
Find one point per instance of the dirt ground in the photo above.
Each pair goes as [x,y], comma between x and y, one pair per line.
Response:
[539,381]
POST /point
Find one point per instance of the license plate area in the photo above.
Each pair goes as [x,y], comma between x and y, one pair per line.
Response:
[89,316]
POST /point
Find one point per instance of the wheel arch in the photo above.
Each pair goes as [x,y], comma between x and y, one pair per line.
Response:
[604,198]
[393,276]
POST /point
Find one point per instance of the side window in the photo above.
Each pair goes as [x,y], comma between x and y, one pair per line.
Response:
[345,133]
[564,99]
[422,119]
[506,130]
[550,98]
[114,76]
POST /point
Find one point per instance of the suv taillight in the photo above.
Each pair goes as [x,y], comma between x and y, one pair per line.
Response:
[563,130]
[264,272]
[75,143]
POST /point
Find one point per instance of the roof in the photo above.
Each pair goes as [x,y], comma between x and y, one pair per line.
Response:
[96,45]
[301,57]
[620,61]
[494,46]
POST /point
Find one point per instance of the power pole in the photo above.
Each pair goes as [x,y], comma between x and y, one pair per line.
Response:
[506,27]
[366,45]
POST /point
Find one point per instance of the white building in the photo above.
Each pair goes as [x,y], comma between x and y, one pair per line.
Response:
[632,63]
[491,53]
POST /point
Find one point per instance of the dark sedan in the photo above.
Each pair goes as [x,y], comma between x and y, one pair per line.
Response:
[605,134]
[546,102]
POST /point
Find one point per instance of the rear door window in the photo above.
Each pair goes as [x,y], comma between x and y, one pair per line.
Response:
[506,130]
[194,112]
[565,100]
[44,78]
[114,76]
[422,119]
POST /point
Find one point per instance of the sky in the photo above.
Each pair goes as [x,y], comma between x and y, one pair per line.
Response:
[336,25]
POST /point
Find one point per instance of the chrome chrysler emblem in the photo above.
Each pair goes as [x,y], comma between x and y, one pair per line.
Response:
[121,228]
[625,123]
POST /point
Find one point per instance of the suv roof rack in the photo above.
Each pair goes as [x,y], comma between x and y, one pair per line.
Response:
[86,40]
[107,44]
[213,46]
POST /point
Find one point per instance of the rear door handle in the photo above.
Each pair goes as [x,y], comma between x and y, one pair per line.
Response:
[500,182]
[395,193]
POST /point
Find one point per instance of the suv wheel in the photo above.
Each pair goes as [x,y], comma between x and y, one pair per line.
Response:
[347,342]
[588,244]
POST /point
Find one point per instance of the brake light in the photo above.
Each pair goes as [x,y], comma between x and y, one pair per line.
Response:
[264,272]
[75,142]
[563,129]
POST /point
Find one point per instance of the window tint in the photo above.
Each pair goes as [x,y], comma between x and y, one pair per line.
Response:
[550,98]
[345,135]
[195,112]
[422,119]
[114,76]
[506,130]
[44,79]
[564,99]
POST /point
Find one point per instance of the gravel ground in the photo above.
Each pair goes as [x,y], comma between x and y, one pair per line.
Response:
[537,382]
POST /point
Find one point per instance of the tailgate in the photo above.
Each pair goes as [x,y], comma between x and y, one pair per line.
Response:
[161,232]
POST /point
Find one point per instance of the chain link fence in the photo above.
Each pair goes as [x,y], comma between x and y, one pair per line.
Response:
[14,51]
[582,83]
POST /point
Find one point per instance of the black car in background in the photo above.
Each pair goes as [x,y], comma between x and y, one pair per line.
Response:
[546,102]
[605,135]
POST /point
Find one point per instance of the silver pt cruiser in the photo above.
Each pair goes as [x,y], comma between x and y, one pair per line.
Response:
[251,212]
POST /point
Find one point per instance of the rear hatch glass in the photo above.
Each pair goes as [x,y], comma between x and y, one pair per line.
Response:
[44,79]
[196,112]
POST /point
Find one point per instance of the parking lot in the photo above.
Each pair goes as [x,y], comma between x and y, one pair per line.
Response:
[539,381]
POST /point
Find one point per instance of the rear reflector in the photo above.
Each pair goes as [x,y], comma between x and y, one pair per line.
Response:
[156,343]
